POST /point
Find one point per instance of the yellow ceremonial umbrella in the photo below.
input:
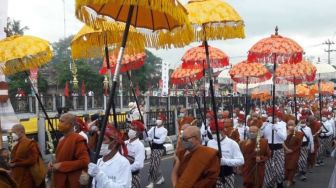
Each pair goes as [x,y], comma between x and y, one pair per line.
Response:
[89,42]
[151,15]
[21,53]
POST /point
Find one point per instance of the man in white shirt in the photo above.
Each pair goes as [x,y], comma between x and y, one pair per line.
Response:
[136,151]
[80,127]
[326,137]
[275,165]
[240,126]
[133,113]
[306,147]
[157,135]
[113,169]
[231,157]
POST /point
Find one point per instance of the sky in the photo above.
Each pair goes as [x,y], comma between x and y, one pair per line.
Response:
[309,22]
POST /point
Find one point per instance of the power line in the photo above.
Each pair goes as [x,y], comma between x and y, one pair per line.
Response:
[329,43]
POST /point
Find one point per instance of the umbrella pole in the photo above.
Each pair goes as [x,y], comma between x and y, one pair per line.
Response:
[42,106]
[199,107]
[246,106]
[231,103]
[296,120]
[213,101]
[273,97]
[320,97]
[137,102]
[114,85]
[204,96]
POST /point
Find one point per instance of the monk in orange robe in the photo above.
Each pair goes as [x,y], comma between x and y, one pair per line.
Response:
[256,152]
[72,155]
[191,168]
[184,118]
[24,155]
[292,147]
[255,120]
[315,127]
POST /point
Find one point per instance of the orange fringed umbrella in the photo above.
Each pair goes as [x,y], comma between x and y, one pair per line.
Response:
[296,73]
[196,56]
[327,88]
[129,62]
[249,73]
[261,95]
[186,76]
[276,49]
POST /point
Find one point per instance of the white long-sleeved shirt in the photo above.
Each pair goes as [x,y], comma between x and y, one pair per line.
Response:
[160,133]
[327,129]
[136,149]
[332,122]
[241,129]
[280,132]
[231,154]
[115,173]
[308,133]
[84,135]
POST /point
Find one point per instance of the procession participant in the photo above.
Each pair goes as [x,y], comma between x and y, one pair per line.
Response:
[80,127]
[275,166]
[93,132]
[241,128]
[133,112]
[255,120]
[292,152]
[191,168]
[136,150]
[25,155]
[157,135]
[230,131]
[5,180]
[256,152]
[113,169]
[306,147]
[231,157]
[185,118]
[331,121]
[325,136]
[4,159]
[72,155]
[315,127]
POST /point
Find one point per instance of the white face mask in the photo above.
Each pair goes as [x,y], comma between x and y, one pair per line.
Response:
[15,137]
[104,150]
[131,134]
[158,122]
[324,119]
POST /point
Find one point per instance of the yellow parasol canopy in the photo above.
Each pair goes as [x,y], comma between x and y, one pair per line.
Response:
[89,43]
[217,19]
[19,53]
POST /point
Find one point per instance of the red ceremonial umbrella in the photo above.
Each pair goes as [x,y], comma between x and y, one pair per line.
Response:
[196,56]
[296,73]
[275,49]
[182,76]
[249,73]
[66,89]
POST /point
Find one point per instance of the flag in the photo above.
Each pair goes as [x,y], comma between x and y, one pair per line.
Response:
[66,89]
[83,89]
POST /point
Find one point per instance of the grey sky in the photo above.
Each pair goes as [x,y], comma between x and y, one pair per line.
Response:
[309,22]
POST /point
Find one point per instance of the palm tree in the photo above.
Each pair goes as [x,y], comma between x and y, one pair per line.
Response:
[14,28]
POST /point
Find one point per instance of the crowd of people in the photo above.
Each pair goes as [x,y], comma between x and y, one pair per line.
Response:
[266,152]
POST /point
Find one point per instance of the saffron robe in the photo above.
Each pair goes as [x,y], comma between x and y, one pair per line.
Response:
[315,127]
[24,154]
[292,159]
[6,181]
[198,169]
[184,120]
[72,153]
[253,173]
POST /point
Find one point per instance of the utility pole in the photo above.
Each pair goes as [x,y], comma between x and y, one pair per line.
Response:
[329,43]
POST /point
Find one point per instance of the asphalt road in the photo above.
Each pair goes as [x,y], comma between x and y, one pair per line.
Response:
[318,179]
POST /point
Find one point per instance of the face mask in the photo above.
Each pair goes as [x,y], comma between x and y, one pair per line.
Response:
[324,119]
[181,115]
[131,134]
[252,136]
[15,137]
[104,150]
[234,115]
[302,124]
[187,145]
[158,122]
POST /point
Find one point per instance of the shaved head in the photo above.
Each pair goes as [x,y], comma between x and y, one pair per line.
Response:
[253,129]
[291,123]
[68,118]
[192,131]
[19,128]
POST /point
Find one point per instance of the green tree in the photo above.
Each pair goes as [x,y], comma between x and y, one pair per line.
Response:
[14,28]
